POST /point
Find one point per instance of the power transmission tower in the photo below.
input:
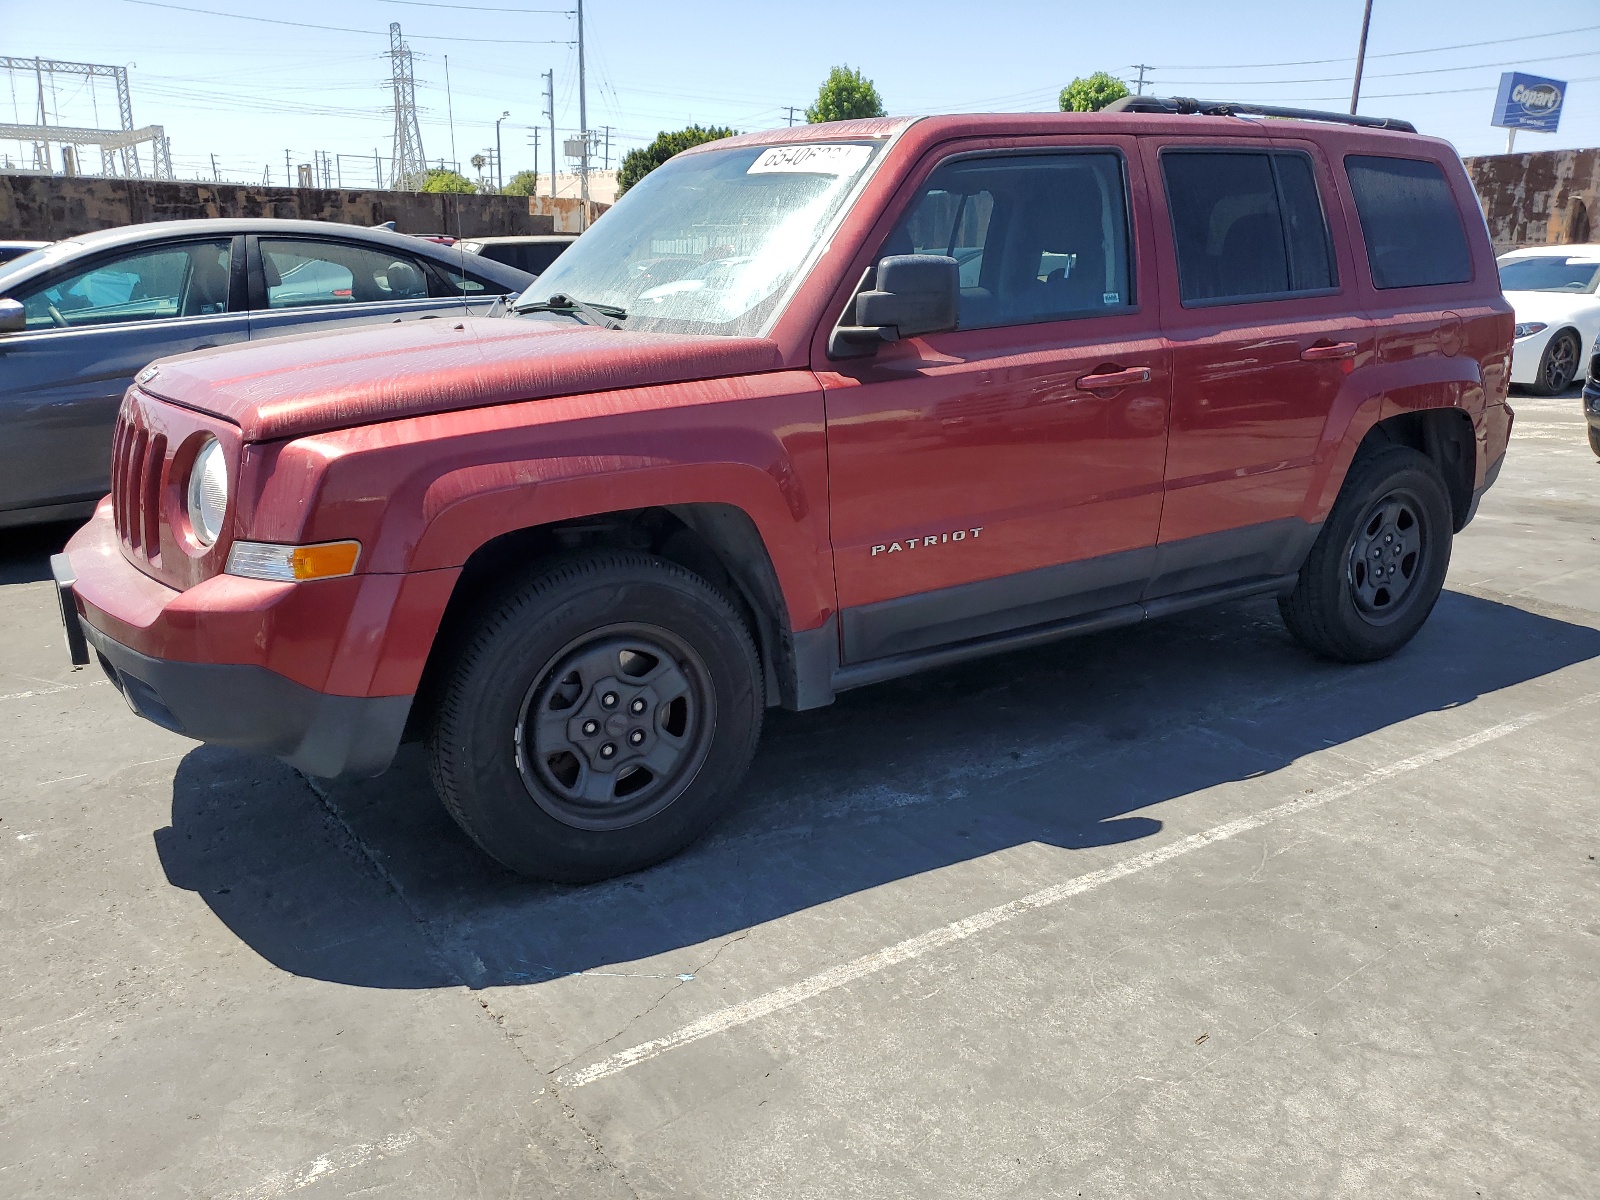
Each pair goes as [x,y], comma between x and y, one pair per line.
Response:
[1139,87]
[410,164]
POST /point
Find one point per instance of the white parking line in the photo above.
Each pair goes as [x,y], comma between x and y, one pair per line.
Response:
[735,1015]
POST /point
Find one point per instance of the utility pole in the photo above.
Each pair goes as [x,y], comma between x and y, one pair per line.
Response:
[499,172]
[216,175]
[1361,58]
[608,147]
[550,111]
[1139,87]
[792,109]
[583,129]
[288,169]
[450,108]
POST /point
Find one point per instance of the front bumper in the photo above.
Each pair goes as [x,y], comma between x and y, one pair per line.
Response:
[173,678]
[1591,402]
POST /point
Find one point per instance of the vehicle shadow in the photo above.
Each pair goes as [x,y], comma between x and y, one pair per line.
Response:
[25,551]
[1065,746]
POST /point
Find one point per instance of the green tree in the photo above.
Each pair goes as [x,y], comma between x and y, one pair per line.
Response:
[523,183]
[846,95]
[439,180]
[1092,94]
[636,164]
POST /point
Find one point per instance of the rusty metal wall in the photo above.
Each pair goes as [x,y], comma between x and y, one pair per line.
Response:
[47,207]
[1545,198]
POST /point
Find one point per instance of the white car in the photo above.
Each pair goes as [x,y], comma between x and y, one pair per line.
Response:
[1552,289]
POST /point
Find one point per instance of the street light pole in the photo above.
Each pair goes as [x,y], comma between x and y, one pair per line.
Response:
[1361,58]
[583,129]
[499,171]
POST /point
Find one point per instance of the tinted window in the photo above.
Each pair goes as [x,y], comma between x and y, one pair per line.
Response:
[1543,274]
[1037,238]
[300,274]
[1246,225]
[1409,219]
[532,257]
[174,281]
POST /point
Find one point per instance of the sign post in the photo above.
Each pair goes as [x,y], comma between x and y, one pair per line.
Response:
[1528,102]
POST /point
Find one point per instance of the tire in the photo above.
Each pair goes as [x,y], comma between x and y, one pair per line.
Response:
[1393,510]
[663,690]
[1558,367]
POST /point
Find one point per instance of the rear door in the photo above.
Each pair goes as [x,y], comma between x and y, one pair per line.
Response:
[301,284]
[91,327]
[1265,326]
[1007,473]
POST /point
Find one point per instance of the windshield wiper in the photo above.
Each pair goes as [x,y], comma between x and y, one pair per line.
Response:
[606,316]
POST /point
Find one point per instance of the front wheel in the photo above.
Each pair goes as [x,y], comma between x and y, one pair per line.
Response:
[1378,565]
[1558,366]
[598,719]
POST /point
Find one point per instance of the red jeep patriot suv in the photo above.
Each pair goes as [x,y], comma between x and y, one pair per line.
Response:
[808,410]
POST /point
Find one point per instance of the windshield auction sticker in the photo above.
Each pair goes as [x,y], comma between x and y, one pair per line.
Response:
[811,160]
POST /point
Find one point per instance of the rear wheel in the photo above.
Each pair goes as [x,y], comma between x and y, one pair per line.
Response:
[1559,365]
[598,719]
[1378,565]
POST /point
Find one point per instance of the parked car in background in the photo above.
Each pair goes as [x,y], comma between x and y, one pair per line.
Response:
[14,250]
[1591,402]
[891,395]
[79,318]
[1553,289]
[533,253]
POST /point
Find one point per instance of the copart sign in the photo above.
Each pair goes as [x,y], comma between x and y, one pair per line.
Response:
[1529,102]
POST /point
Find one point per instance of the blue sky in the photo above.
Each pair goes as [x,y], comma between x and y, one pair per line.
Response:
[247,91]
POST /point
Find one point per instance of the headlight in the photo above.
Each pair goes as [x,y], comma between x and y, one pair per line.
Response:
[1528,329]
[208,493]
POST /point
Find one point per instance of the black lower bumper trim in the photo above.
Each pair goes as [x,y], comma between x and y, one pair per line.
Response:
[66,579]
[252,708]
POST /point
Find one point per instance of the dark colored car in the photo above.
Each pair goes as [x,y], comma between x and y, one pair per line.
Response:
[808,410]
[533,253]
[1591,402]
[80,317]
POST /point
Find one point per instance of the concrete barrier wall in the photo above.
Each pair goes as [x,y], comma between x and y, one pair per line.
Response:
[50,207]
[1545,198]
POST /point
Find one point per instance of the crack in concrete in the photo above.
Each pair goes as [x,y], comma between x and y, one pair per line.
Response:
[356,846]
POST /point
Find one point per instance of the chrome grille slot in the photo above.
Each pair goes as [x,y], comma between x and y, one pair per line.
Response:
[131,490]
[155,460]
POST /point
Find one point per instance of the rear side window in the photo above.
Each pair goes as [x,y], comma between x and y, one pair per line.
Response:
[1410,222]
[1247,226]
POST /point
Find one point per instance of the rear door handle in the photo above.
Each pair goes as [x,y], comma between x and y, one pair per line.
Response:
[1114,379]
[1335,350]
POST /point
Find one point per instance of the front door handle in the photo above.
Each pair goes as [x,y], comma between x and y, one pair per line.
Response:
[1113,379]
[1323,352]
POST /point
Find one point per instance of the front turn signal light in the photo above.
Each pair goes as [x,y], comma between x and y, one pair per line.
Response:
[293,564]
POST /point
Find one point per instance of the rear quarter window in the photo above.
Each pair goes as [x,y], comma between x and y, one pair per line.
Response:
[1409,222]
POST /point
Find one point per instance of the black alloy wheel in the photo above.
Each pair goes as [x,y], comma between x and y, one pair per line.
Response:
[1388,555]
[595,715]
[1559,365]
[614,726]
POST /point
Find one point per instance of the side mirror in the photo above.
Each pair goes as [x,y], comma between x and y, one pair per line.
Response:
[13,317]
[915,294]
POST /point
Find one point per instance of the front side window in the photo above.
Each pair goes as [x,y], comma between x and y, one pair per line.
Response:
[713,241]
[1039,237]
[303,274]
[189,280]
[1409,220]
[1246,226]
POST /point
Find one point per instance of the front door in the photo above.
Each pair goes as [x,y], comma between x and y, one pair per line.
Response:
[90,330]
[1264,331]
[1007,473]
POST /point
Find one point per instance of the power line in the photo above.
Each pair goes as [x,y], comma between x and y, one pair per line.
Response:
[432,37]
[1386,75]
[564,12]
[1323,62]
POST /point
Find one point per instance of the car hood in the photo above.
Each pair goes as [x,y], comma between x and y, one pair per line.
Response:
[1551,307]
[291,386]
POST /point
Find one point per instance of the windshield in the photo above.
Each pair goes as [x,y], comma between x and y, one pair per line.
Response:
[1548,274]
[22,263]
[710,242]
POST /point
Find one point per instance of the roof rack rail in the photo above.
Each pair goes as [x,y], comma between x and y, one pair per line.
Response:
[1233,108]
